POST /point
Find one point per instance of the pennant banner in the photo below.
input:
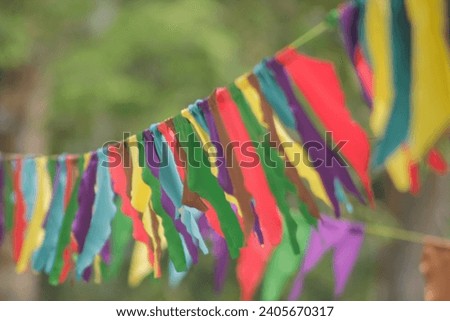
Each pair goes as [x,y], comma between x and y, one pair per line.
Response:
[242,173]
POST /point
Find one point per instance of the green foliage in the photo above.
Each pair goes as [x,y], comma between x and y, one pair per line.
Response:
[29,27]
[150,61]
[14,40]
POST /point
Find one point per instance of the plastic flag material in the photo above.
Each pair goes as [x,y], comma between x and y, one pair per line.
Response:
[324,160]
[201,180]
[224,176]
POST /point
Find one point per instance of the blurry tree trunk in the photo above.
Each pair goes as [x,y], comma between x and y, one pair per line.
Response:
[23,101]
[428,213]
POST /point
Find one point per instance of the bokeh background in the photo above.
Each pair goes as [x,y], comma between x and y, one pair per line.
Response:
[77,73]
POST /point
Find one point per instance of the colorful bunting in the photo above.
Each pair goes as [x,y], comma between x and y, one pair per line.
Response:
[121,185]
[174,243]
[402,46]
[225,170]
[226,115]
[244,170]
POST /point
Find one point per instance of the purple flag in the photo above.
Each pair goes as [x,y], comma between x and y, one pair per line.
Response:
[344,238]
[86,196]
[221,260]
[349,20]
[223,176]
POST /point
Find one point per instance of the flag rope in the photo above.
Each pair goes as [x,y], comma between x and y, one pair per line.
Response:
[399,234]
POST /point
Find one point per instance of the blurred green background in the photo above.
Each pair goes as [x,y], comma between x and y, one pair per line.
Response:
[77,73]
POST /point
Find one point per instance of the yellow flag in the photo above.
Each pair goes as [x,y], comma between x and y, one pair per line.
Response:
[97,269]
[204,137]
[140,192]
[430,92]
[377,27]
[252,97]
[140,266]
[147,221]
[87,158]
[397,166]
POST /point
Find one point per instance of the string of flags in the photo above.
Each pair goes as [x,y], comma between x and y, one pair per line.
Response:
[177,190]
